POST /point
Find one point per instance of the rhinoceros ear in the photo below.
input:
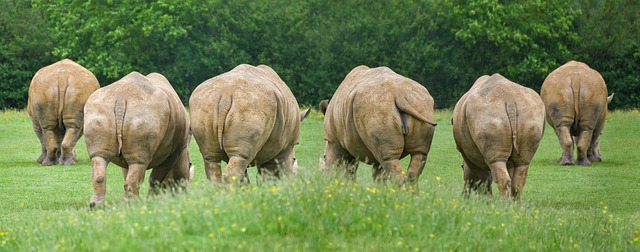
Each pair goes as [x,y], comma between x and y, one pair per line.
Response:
[609,98]
[323,106]
[304,114]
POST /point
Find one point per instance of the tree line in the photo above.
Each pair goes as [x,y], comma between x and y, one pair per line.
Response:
[312,44]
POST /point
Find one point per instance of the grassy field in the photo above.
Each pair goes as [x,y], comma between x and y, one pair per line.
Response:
[566,208]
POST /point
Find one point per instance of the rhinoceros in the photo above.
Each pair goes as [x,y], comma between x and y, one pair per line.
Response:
[497,127]
[378,117]
[57,95]
[575,97]
[247,116]
[137,123]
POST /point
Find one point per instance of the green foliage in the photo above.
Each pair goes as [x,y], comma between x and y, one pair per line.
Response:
[523,40]
[443,44]
[563,207]
[24,48]
[113,38]
[609,42]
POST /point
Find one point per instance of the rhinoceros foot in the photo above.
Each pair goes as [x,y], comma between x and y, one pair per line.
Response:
[48,161]
[96,201]
[67,161]
[564,160]
[41,158]
[594,158]
[583,162]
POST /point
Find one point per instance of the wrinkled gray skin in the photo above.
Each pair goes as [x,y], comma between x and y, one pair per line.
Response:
[575,97]
[497,127]
[137,123]
[57,95]
[377,116]
[247,116]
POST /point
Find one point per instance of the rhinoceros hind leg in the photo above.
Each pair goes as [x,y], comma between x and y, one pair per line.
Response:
[500,175]
[519,178]
[269,171]
[75,155]
[236,170]
[394,170]
[51,147]
[99,181]
[476,179]
[162,179]
[246,177]
[593,154]
[416,166]
[68,156]
[583,143]
[337,160]
[213,170]
[350,167]
[566,142]
[378,174]
[135,177]
[43,155]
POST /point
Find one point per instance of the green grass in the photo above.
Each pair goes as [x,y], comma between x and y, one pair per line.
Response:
[575,208]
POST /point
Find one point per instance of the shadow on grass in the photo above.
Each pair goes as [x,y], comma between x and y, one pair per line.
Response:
[21,163]
[604,163]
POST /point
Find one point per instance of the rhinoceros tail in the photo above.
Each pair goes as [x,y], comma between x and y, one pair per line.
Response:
[512,114]
[224,105]
[404,106]
[119,111]
[62,92]
[576,104]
